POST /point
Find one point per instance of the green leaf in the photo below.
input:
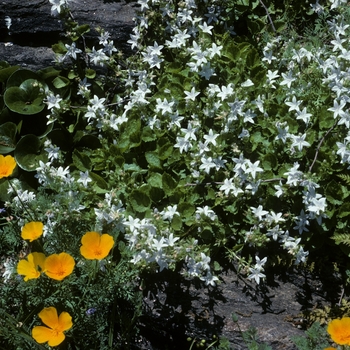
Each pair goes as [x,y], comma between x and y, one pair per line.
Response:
[326,118]
[59,48]
[140,201]
[155,180]
[26,99]
[7,137]
[253,59]
[334,193]
[60,82]
[166,151]
[186,209]
[5,73]
[231,51]
[100,182]
[148,134]
[90,73]
[81,160]
[176,223]
[4,194]
[344,210]
[21,75]
[29,152]
[168,183]
[48,72]
[153,159]
[269,161]
[83,29]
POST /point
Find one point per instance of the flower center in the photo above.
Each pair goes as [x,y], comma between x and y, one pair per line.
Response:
[60,272]
[97,252]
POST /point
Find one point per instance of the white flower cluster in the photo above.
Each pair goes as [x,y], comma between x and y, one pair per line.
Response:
[148,244]
[110,212]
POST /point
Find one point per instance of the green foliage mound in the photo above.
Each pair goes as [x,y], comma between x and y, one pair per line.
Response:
[220,143]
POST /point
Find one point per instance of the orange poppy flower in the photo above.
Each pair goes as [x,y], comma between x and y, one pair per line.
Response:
[7,166]
[96,246]
[330,348]
[56,325]
[339,331]
[30,267]
[59,266]
[32,230]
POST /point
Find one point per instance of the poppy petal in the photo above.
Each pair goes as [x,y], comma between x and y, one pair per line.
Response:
[56,339]
[49,317]
[29,267]
[42,334]
[107,243]
[95,245]
[91,239]
[65,321]
[339,331]
[7,166]
[59,266]
[32,230]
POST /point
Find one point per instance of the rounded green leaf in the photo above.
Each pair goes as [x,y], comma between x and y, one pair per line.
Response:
[60,82]
[29,152]
[6,72]
[21,75]
[26,99]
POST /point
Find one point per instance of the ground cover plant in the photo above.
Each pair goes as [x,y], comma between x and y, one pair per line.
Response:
[220,143]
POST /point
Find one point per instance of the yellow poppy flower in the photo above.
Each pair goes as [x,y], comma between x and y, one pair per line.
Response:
[96,246]
[330,348]
[339,331]
[32,230]
[30,267]
[59,266]
[56,325]
[7,166]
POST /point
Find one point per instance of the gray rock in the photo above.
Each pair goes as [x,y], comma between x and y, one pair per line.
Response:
[34,30]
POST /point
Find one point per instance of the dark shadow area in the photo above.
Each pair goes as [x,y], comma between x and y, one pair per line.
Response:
[38,39]
[177,309]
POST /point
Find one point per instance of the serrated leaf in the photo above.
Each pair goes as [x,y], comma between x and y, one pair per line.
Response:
[100,182]
[166,151]
[139,200]
[81,160]
[186,209]
[168,183]
[155,180]
[269,161]
[344,210]
[153,159]
[176,223]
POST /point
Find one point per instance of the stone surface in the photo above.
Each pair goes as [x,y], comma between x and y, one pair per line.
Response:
[33,30]
[177,310]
